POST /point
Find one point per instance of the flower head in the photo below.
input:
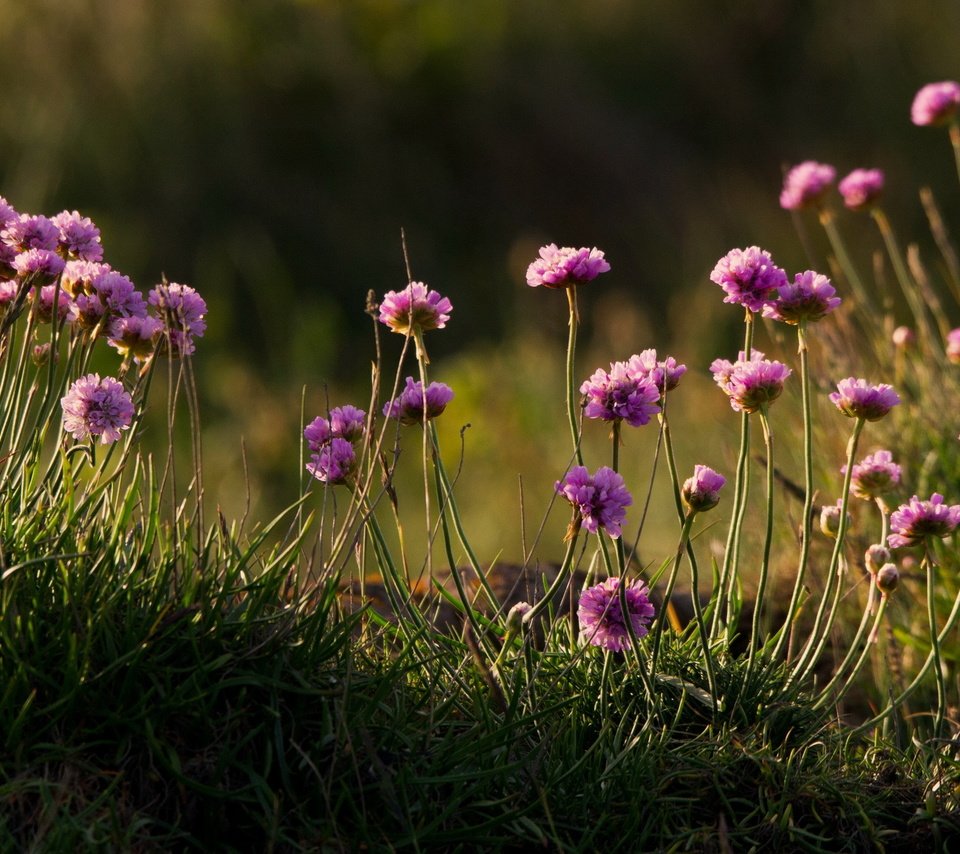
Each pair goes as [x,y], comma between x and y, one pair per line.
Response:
[44,265]
[702,491]
[664,374]
[79,237]
[601,500]
[562,267]
[623,394]
[953,346]
[913,522]
[182,311]
[601,615]
[97,407]
[334,462]
[861,188]
[348,422]
[856,398]
[805,184]
[749,277]
[134,336]
[413,308]
[407,407]
[79,277]
[936,103]
[30,232]
[750,384]
[7,212]
[45,310]
[875,475]
[810,297]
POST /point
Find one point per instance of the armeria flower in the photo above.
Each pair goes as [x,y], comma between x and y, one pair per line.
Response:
[44,308]
[348,422]
[936,103]
[702,491]
[830,518]
[79,277]
[8,295]
[904,337]
[749,277]
[856,398]
[8,256]
[96,407]
[407,407]
[913,522]
[861,188]
[876,556]
[561,267]
[664,374]
[875,475]
[30,232]
[601,500]
[182,311]
[809,298]
[334,463]
[79,237]
[623,394]
[750,384]
[953,346]
[415,307]
[887,578]
[134,336]
[805,184]
[42,265]
[7,212]
[601,616]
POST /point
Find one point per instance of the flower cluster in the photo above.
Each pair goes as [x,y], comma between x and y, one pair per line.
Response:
[408,406]
[415,308]
[561,267]
[861,188]
[810,297]
[601,500]
[953,346]
[95,407]
[601,616]
[936,103]
[626,393]
[750,383]
[874,476]
[664,374]
[182,310]
[806,184]
[749,277]
[912,523]
[856,398]
[331,442]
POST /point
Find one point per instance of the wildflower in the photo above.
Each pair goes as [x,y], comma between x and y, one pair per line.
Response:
[117,295]
[855,398]
[41,265]
[623,394]
[810,297]
[514,619]
[702,491]
[7,212]
[953,346]
[875,475]
[936,103]
[601,500]
[830,518]
[407,407]
[7,257]
[806,184]
[861,188]
[182,311]
[79,276]
[752,384]
[665,374]
[97,407]
[134,336]
[904,337]
[334,462]
[749,277]
[45,309]
[887,578]
[27,232]
[413,308]
[348,422]
[8,295]
[916,520]
[79,237]
[566,266]
[875,557]
[601,616]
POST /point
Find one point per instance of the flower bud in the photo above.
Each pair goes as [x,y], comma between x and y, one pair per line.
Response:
[41,354]
[904,337]
[887,578]
[875,557]
[515,615]
[830,519]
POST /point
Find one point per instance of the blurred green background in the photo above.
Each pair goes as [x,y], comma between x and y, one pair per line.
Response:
[268,152]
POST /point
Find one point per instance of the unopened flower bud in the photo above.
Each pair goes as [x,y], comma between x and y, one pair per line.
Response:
[515,615]
[702,491]
[904,337]
[887,578]
[830,519]
[876,556]
[41,354]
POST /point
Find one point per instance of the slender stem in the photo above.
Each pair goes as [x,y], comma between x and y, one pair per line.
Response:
[571,387]
[701,625]
[828,221]
[422,362]
[563,574]
[668,591]
[935,644]
[767,540]
[615,464]
[955,142]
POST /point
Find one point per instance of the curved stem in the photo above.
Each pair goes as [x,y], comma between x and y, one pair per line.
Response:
[422,362]
[828,221]
[668,591]
[767,540]
[571,387]
[615,464]
[935,645]
[563,575]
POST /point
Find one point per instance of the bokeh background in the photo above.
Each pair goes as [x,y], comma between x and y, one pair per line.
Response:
[269,152]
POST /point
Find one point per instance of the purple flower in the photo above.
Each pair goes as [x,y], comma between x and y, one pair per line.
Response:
[30,232]
[875,475]
[601,616]
[105,294]
[916,520]
[7,212]
[79,276]
[702,491]
[134,336]
[601,500]
[79,237]
[858,399]
[317,433]
[334,462]
[44,309]
[936,103]
[415,307]
[348,422]
[749,277]
[953,346]
[805,184]
[407,407]
[95,407]
[665,375]
[8,256]
[810,297]
[750,384]
[624,394]
[8,295]
[566,266]
[182,311]
[861,188]
[44,265]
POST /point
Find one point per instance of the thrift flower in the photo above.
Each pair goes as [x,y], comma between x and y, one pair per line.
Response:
[348,422]
[566,266]
[702,491]
[79,277]
[334,462]
[953,346]
[665,375]
[96,407]
[875,475]
[415,307]
[601,500]
[44,265]
[79,237]
[7,257]
[30,232]
[514,619]
[134,336]
[407,407]
[7,212]
[182,311]
[752,384]
[810,297]
[45,306]
[805,184]
[601,616]
[904,337]
[858,399]
[861,188]
[936,103]
[830,518]
[916,520]
[623,394]
[749,277]
[875,557]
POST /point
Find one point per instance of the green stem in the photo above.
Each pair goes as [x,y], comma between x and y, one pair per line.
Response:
[563,574]
[668,591]
[828,221]
[767,540]
[615,461]
[955,142]
[422,361]
[935,645]
[571,386]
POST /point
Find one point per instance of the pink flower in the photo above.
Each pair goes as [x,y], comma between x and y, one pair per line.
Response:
[601,615]
[810,297]
[875,475]
[702,491]
[750,384]
[407,407]
[855,398]
[861,188]
[79,237]
[916,520]
[805,184]
[601,500]
[953,346]
[413,308]
[748,277]
[936,103]
[563,267]
[94,407]
[623,394]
